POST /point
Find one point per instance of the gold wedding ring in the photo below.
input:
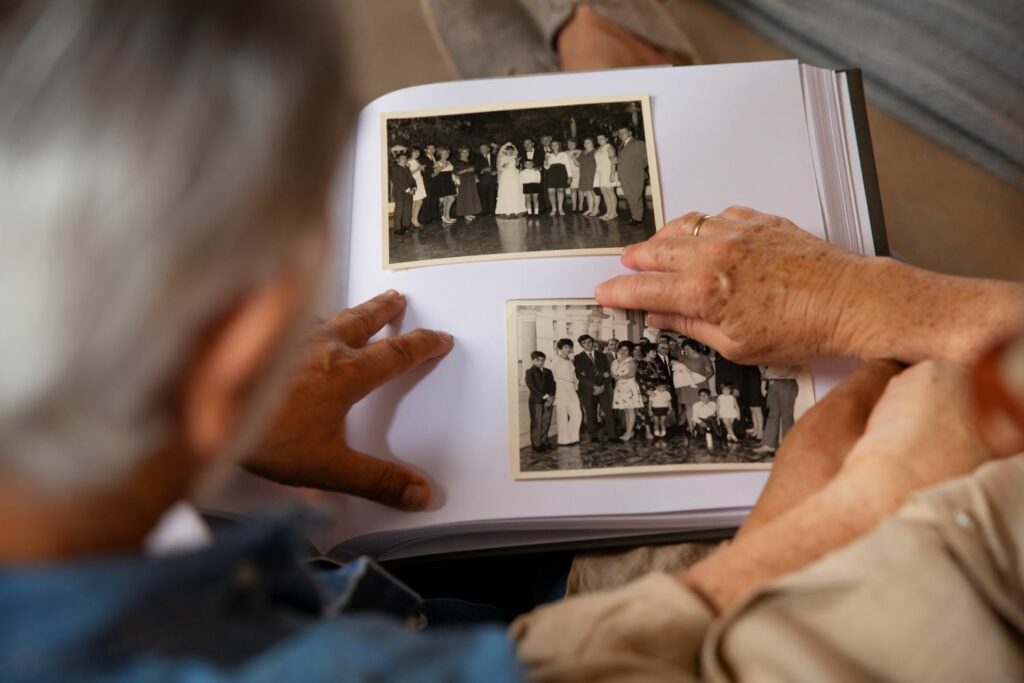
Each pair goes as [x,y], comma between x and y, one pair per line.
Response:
[700,222]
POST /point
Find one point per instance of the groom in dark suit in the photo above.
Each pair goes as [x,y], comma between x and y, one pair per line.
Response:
[632,169]
[595,388]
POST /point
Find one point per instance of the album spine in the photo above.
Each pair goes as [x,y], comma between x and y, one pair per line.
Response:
[873,196]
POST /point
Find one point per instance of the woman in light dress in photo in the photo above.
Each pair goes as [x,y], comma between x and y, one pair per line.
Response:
[605,160]
[511,201]
[568,413]
[627,397]
[575,198]
[421,189]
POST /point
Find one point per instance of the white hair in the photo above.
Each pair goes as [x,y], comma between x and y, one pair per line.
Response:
[157,160]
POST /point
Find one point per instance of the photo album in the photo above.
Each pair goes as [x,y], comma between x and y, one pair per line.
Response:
[496,206]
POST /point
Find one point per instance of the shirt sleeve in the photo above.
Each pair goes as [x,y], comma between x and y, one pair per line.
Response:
[645,18]
[649,630]
[934,593]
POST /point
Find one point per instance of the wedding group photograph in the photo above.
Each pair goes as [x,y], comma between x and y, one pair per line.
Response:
[552,178]
[592,390]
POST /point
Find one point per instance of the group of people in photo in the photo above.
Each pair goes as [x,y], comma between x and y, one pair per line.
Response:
[534,178]
[657,387]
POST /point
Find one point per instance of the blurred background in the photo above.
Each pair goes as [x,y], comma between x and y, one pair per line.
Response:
[942,212]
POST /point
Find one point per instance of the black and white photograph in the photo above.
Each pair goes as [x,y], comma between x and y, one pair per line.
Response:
[538,179]
[594,391]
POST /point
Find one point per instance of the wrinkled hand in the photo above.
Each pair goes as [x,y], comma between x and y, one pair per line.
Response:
[921,432]
[306,445]
[753,286]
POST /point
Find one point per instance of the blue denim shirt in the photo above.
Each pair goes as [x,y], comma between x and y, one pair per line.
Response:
[245,609]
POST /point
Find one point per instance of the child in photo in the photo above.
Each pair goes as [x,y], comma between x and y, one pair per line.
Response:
[728,410]
[661,403]
[705,418]
[541,383]
[530,177]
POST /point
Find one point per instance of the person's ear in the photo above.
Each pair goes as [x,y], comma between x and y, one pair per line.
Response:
[229,360]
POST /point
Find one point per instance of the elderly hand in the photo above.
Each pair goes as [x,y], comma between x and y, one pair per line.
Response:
[306,444]
[760,290]
[754,286]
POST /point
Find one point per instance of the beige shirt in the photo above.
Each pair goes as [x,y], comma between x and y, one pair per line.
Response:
[935,593]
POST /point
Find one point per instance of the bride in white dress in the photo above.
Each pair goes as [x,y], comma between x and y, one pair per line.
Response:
[510,190]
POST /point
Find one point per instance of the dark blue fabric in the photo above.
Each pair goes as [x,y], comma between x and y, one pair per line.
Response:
[246,609]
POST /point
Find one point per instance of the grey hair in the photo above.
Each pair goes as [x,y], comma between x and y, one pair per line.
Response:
[158,159]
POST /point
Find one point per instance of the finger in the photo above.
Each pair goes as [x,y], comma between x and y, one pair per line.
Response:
[739,213]
[685,224]
[382,481]
[355,326]
[690,294]
[385,360]
[693,328]
[676,254]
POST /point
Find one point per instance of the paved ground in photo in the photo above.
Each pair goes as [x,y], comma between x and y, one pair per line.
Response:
[673,450]
[490,235]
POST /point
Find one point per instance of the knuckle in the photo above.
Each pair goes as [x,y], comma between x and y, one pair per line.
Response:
[634,287]
[402,349]
[359,319]
[704,284]
[737,211]
[721,249]
[386,482]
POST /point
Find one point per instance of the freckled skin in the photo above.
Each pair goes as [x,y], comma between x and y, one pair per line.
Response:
[759,289]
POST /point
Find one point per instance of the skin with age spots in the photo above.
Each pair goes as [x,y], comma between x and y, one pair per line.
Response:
[760,290]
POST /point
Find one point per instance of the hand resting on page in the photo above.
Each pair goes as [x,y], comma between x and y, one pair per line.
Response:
[306,444]
[760,290]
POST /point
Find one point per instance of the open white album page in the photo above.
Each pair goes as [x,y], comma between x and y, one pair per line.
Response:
[724,135]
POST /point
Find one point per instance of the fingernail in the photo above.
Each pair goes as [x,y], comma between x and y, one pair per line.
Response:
[415,497]
[447,337]
[600,288]
[393,294]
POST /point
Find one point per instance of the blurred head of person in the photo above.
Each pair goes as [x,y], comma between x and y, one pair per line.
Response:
[164,171]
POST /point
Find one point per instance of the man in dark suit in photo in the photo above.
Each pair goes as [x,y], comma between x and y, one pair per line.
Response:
[595,388]
[541,383]
[632,172]
[663,361]
[485,161]
[545,148]
[403,186]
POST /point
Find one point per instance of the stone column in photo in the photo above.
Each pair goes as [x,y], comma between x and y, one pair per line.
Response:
[621,325]
[527,342]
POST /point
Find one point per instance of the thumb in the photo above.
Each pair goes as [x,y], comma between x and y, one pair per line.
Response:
[382,481]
